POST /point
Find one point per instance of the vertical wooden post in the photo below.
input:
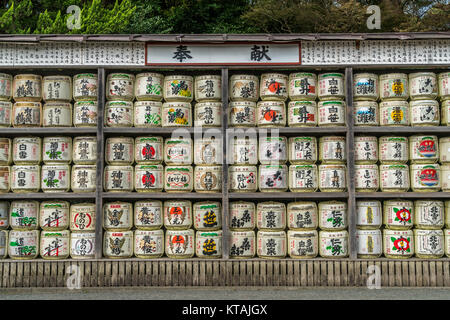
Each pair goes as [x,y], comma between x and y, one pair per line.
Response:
[225,215]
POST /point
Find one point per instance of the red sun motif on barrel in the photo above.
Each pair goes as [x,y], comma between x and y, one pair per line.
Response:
[270,115]
[274,86]
[148,179]
[148,152]
[178,240]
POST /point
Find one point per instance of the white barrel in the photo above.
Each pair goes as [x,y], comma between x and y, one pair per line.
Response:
[302,150]
[447,242]
[366,149]
[331,86]
[425,177]
[394,177]
[3,244]
[332,149]
[148,214]
[27,114]
[5,151]
[118,179]
[242,114]
[178,150]
[5,174]
[447,213]
[444,150]
[25,178]
[394,113]
[333,244]
[178,88]
[242,244]
[393,149]
[302,215]
[423,85]
[147,114]
[57,150]
[302,114]
[273,178]
[394,86]
[4,215]
[148,243]
[177,214]
[55,178]
[332,178]
[271,244]
[423,149]
[149,177]
[82,217]
[366,178]
[207,215]
[331,113]
[85,113]
[398,214]
[303,244]
[84,178]
[243,178]
[118,244]
[444,85]
[244,87]
[23,245]
[149,86]
[119,151]
[333,215]
[369,243]
[54,215]
[118,216]
[208,114]
[429,214]
[6,81]
[303,178]
[24,214]
[208,178]
[208,244]
[178,178]
[5,113]
[208,151]
[244,150]
[302,86]
[271,216]
[428,243]
[242,216]
[84,150]
[177,114]
[27,87]
[272,149]
[27,150]
[148,150]
[85,86]
[57,88]
[445,177]
[365,86]
[366,113]
[119,114]
[271,114]
[55,245]
[82,245]
[208,88]
[180,243]
[369,214]
[274,86]
[424,113]
[120,86]
[57,114]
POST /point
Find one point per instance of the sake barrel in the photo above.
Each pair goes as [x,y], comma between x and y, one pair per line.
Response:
[148,214]
[5,151]
[244,87]
[57,150]
[82,217]
[331,113]
[445,177]
[119,151]
[394,113]
[423,85]
[3,244]
[303,178]
[271,114]
[118,244]
[148,243]
[366,113]
[118,179]
[302,215]
[272,149]
[84,150]
[394,178]
[332,178]
[208,88]
[369,244]
[207,215]
[177,214]
[25,178]
[118,216]
[302,150]
[242,216]
[366,149]
[24,214]
[271,245]
[444,85]
[85,113]
[119,114]
[4,179]
[147,114]
[54,215]
[208,151]
[4,215]
[178,178]
[148,150]
[149,86]
[244,150]
[447,242]
[55,245]
[55,178]
[424,113]
[57,88]
[208,114]
[57,114]
[6,81]
[444,150]
[82,245]
[398,214]
[429,244]
[178,150]
[423,149]
[208,244]
[428,214]
[333,244]
[180,244]
[447,213]
[302,86]
[273,178]
[331,86]
[425,177]
[243,178]
[274,86]
[394,86]
[178,88]
[242,244]
[303,244]
[302,114]
[365,86]
[393,149]
[27,150]
[366,178]
[177,114]
[242,114]
[149,178]
[27,87]
[84,178]
[120,86]
[333,215]
[26,114]
[23,245]
[85,87]
[332,149]
[208,179]
[271,216]
[5,113]
[369,214]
